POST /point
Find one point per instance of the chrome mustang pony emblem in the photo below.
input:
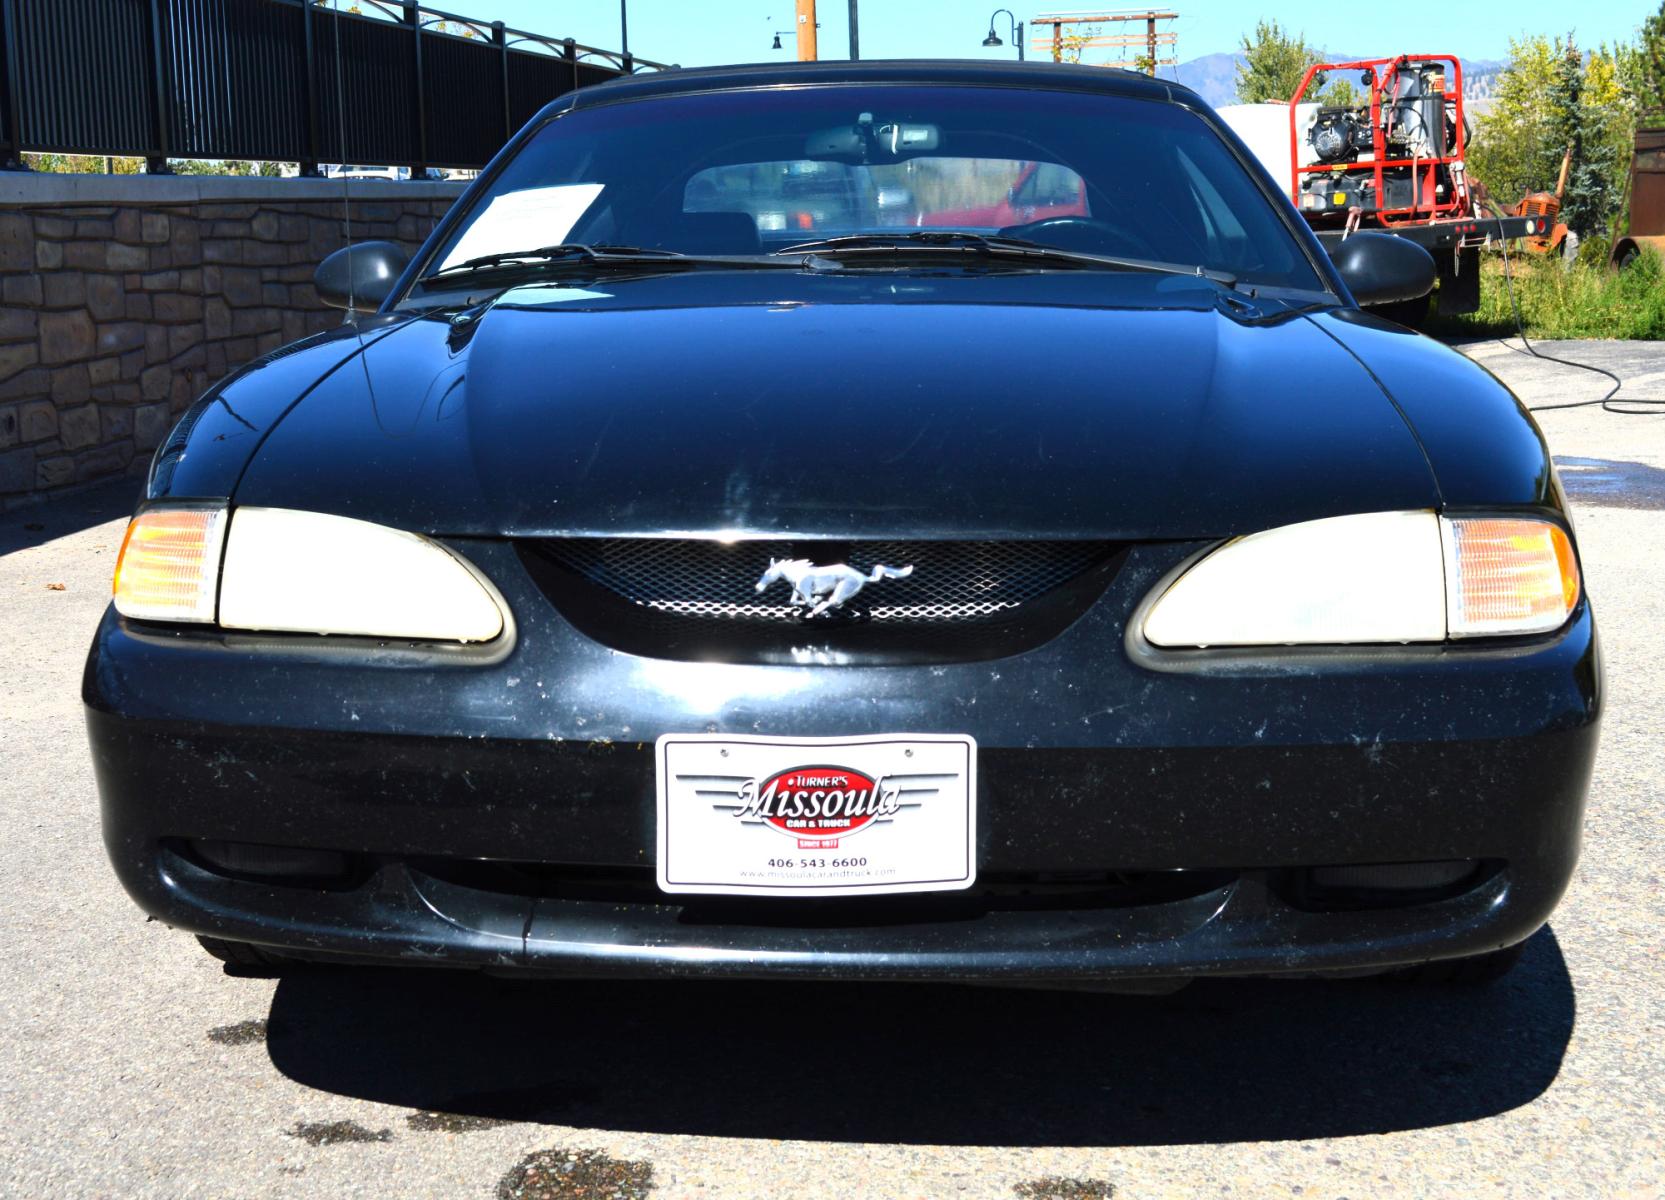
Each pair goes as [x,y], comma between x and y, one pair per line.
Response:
[823,588]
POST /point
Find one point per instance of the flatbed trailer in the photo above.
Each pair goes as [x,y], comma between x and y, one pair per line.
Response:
[1393,163]
[1452,233]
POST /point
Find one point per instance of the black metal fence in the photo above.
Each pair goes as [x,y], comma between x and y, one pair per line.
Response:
[269,80]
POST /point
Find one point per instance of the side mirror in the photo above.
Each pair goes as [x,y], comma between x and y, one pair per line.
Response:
[1380,268]
[359,276]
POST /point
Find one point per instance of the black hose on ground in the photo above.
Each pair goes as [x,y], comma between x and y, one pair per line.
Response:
[1651,407]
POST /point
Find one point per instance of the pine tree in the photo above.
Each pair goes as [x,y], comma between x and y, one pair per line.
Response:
[1649,67]
[1590,116]
[1566,124]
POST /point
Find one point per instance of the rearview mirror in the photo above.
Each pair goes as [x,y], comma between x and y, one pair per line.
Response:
[360,276]
[897,140]
[1379,268]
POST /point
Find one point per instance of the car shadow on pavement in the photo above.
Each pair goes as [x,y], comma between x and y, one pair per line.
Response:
[1222,1061]
[34,524]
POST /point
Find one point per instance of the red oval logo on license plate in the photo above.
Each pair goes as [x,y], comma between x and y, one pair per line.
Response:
[819,802]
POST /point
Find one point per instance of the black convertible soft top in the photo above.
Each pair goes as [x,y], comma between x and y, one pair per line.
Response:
[1073,77]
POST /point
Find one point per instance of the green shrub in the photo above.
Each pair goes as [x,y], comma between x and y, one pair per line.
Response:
[1595,251]
[1559,300]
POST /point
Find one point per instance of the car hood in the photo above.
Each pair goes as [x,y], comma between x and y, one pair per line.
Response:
[775,406]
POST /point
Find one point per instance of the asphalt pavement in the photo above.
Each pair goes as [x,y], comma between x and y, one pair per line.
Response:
[131,1064]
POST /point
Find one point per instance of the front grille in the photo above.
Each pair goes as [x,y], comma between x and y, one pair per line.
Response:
[951,581]
[674,597]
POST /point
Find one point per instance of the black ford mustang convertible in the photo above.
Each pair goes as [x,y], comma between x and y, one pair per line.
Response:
[890,521]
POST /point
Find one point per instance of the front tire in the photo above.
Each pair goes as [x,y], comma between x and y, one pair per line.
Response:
[1473,971]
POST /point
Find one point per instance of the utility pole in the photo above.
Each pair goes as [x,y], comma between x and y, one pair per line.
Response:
[855,41]
[1153,41]
[806,31]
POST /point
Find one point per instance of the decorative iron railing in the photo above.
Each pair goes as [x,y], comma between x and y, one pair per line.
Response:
[405,85]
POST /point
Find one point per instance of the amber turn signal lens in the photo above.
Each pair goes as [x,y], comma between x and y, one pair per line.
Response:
[170,565]
[1508,575]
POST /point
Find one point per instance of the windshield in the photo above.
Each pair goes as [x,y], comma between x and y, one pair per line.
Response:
[753,172]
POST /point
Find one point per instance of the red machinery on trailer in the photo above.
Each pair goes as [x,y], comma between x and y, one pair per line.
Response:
[1395,164]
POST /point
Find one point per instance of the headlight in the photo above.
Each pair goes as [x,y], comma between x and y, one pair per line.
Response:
[1375,577]
[299,572]
[310,573]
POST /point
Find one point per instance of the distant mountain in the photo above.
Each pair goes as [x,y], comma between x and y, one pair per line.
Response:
[1480,78]
[1214,76]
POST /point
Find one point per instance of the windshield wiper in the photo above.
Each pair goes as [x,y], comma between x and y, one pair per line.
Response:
[921,243]
[996,246]
[604,258]
[949,238]
[563,252]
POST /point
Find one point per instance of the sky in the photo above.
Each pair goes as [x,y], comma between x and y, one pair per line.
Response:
[700,32]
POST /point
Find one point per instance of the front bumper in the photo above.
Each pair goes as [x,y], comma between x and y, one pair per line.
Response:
[1234,772]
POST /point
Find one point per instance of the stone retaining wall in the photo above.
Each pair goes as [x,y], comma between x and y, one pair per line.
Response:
[123,297]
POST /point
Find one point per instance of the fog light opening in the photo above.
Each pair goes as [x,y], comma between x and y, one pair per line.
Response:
[1395,877]
[282,863]
[1355,886]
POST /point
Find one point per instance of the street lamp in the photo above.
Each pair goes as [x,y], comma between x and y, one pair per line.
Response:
[1016,31]
[778,33]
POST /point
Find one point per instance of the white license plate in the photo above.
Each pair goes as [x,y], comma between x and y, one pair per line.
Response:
[853,816]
